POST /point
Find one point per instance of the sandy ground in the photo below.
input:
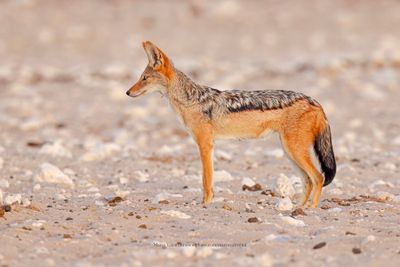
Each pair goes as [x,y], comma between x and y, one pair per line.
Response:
[95,178]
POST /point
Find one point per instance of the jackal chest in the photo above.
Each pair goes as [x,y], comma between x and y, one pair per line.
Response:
[188,116]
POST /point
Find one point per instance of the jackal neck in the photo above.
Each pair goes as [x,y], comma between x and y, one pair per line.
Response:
[182,89]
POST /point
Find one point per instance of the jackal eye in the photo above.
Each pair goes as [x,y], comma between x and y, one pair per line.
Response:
[144,78]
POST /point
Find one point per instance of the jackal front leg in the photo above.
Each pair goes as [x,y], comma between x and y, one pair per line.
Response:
[205,143]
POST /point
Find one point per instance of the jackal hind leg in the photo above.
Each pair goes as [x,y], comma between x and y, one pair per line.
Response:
[313,180]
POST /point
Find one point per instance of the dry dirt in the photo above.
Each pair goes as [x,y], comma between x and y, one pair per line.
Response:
[64,70]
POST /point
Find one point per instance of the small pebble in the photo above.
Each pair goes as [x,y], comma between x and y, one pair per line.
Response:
[319,245]
[253,220]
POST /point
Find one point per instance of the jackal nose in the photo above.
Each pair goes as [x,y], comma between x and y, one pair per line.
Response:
[128,93]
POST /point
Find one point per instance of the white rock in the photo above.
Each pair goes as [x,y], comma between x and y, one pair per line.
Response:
[176,214]
[277,153]
[193,190]
[165,196]
[189,251]
[11,199]
[204,252]
[99,203]
[4,183]
[26,202]
[168,150]
[60,196]
[36,187]
[284,204]
[141,176]
[297,183]
[280,238]
[382,195]
[270,237]
[218,199]
[52,174]
[265,260]
[220,256]
[248,181]
[335,210]
[99,151]
[31,124]
[178,172]
[93,190]
[222,176]
[284,186]
[293,221]
[390,166]
[55,149]
[171,255]
[223,155]
[368,239]
[38,223]
[41,250]
[123,180]
[122,193]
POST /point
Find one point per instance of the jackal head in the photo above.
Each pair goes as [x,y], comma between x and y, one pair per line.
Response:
[157,74]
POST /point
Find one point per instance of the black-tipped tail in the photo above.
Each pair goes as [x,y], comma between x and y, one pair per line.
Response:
[324,151]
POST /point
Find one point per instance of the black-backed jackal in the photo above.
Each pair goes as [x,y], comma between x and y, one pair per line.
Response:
[210,114]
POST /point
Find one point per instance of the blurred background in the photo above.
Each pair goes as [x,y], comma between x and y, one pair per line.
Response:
[65,66]
[85,54]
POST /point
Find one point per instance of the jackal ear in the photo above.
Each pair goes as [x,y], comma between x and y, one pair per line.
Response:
[156,57]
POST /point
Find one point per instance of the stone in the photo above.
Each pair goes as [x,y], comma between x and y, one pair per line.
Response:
[293,221]
[284,204]
[55,149]
[12,199]
[176,214]
[248,181]
[284,186]
[52,174]
[141,176]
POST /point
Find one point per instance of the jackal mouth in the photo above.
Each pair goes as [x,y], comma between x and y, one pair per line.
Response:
[136,94]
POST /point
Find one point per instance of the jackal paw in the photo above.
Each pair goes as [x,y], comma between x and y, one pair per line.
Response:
[312,205]
[208,197]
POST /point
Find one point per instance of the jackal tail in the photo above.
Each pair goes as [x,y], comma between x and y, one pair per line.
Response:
[324,151]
